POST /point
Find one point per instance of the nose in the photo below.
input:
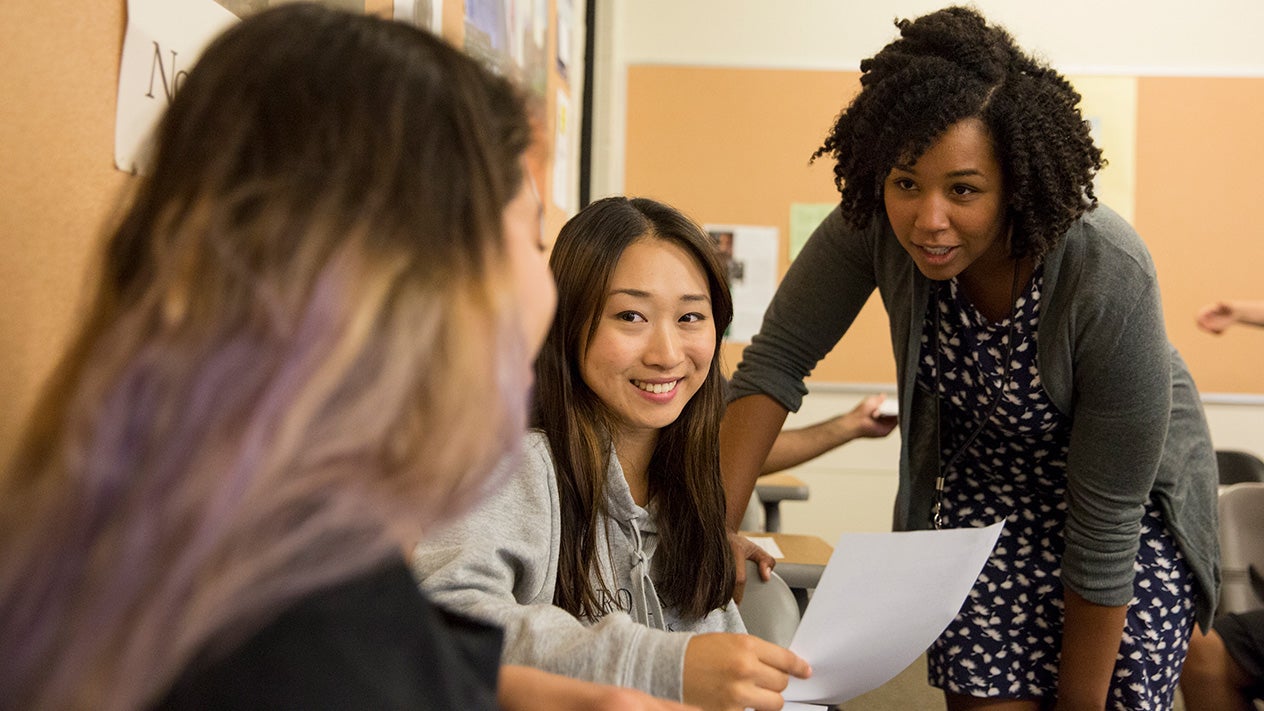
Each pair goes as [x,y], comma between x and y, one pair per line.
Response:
[932,213]
[664,348]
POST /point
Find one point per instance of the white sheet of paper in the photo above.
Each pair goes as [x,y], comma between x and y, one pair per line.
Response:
[768,544]
[882,600]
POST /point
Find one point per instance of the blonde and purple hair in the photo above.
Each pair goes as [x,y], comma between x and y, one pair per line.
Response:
[303,350]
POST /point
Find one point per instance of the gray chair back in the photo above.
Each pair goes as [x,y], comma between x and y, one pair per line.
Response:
[769,609]
[1241,545]
[1237,466]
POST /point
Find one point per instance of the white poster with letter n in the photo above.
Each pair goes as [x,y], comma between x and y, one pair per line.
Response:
[163,40]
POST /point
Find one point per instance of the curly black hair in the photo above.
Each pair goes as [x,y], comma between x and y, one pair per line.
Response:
[948,66]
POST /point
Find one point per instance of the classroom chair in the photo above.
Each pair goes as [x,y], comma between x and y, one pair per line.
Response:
[772,489]
[1241,546]
[764,509]
[806,556]
[1237,466]
[769,609]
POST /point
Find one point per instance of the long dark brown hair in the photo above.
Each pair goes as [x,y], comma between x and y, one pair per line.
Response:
[303,349]
[693,563]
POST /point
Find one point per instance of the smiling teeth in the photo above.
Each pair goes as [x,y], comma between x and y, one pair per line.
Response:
[937,251]
[656,388]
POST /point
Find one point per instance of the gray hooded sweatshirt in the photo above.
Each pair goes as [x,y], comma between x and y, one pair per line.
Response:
[499,564]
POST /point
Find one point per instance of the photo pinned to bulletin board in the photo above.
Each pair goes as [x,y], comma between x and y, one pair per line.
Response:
[515,40]
[750,253]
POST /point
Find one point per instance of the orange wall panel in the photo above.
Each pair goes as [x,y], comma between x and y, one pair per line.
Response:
[1199,185]
[731,146]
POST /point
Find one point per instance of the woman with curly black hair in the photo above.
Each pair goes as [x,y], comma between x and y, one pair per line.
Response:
[1036,381]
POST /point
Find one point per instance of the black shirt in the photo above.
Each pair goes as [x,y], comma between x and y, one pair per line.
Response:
[373,642]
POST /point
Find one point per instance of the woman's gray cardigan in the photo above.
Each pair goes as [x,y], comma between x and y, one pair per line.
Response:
[1137,429]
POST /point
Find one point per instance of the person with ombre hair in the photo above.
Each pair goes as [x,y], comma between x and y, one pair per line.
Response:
[310,342]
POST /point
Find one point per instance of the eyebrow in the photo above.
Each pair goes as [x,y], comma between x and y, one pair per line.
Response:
[965,172]
[642,294]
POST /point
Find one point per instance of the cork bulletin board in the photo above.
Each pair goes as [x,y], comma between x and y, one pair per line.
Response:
[59,188]
[738,153]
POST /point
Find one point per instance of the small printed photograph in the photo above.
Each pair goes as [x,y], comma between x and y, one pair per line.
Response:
[724,241]
[750,254]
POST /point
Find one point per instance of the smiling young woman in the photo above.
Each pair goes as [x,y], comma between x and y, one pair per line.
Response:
[607,557]
[653,344]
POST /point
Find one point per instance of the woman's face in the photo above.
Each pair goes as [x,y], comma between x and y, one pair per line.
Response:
[948,208]
[529,260]
[655,338]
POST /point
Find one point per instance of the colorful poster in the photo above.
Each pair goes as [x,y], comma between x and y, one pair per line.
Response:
[510,37]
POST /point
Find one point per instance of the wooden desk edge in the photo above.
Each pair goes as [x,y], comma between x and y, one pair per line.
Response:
[799,549]
[780,479]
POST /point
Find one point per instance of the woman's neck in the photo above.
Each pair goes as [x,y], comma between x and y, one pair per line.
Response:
[993,291]
[634,450]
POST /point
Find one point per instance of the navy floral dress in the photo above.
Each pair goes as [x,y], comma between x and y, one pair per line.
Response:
[1005,641]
